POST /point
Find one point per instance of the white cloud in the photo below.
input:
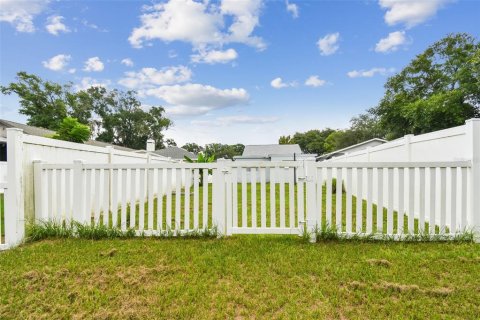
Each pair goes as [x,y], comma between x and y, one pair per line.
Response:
[151,77]
[232,120]
[57,63]
[214,56]
[315,81]
[195,99]
[369,73]
[410,12]
[278,83]
[88,82]
[328,44]
[55,25]
[128,62]
[94,64]
[392,42]
[292,8]
[200,23]
[20,13]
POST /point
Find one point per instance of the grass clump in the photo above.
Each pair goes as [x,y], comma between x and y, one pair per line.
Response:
[55,230]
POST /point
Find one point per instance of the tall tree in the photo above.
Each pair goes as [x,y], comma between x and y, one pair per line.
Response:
[122,121]
[193,147]
[285,140]
[46,103]
[312,141]
[438,89]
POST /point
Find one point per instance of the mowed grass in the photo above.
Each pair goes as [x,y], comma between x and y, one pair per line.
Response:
[269,277]
[178,221]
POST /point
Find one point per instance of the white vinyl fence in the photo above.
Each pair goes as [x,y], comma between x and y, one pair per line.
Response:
[281,206]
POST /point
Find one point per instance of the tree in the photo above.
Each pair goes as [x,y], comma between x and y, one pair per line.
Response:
[312,141]
[285,140]
[170,143]
[46,103]
[72,130]
[438,89]
[122,121]
[193,147]
[226,151]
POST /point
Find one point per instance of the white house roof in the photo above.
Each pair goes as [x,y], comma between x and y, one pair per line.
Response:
[355,146]
[267,150]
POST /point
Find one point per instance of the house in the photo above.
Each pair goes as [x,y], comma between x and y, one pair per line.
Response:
[273,152]
[356,147]
[176,153]
[41,132]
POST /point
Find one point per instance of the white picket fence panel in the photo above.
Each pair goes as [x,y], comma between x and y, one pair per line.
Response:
[411,197]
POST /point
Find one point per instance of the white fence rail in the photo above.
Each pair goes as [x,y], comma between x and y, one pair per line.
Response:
[433,197]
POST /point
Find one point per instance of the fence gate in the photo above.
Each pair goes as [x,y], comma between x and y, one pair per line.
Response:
[265,197]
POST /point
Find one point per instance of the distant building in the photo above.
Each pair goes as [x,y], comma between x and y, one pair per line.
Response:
[356,147]
[176,153]
[273,152]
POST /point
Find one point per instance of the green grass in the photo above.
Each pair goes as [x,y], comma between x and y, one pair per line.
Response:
[180,224]
[270,277]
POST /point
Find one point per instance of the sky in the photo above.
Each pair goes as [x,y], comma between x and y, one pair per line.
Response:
[229,71]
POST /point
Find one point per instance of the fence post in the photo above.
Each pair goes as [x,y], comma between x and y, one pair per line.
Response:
[312,213]
[111,154]
[79,192]
[218,197]
[14,198]
[473,145]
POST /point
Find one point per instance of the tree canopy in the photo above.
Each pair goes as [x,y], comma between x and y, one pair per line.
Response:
[113,116]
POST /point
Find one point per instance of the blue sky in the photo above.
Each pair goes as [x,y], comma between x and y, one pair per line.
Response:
[228,71]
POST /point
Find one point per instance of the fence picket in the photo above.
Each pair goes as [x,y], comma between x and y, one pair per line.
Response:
[97,196]
[178,200]
[160,192]
[359,201]
[369,222]
[453,200]
[380,200]
[263,198]
[273,209]
[196,191]
[348,205]
[319,172]
[301,194]
[338,199]
[432,210]
[114,202]
[150,199]
[187,199]
[443,200]
[422,200]
[205,199]
[390,201]
[235,197]
[464,204]
[106,197]
[281,178]
[328,199]
[244,198]
[141,202]
[168,191]
[411,200]
[401,201]
[253,177]
[123,218]
[291,197]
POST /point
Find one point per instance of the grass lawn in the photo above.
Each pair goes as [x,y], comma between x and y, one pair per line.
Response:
[239,277]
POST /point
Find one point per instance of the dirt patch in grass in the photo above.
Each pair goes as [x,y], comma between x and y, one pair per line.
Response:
[380,262]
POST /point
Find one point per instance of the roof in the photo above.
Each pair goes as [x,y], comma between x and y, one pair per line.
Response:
[266,150]
[176,153]
[42,132]
[342,151]
[34,131]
